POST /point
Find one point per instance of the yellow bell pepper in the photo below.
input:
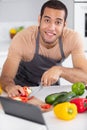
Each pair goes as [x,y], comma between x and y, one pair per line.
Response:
[0,89]
[65,111]
[13,31]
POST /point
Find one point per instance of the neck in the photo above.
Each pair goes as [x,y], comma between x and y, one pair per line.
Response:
[48,45]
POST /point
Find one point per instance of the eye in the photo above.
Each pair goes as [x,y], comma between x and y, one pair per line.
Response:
[58,22]
[47,20]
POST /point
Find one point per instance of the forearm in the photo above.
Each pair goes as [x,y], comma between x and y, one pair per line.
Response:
[74,75]
[6,82]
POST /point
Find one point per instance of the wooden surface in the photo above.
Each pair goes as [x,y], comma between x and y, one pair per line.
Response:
[37,102]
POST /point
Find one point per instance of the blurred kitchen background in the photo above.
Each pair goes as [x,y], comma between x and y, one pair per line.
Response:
[23,13]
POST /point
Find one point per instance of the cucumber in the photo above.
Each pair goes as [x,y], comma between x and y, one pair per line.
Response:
[50,99]
[67,97]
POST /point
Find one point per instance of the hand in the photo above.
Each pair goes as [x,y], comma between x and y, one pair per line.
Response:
[51,76]
[14,90]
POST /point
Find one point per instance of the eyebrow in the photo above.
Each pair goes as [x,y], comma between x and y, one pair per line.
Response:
[56,18]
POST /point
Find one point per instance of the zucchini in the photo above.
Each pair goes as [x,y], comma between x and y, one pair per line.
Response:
[50,99]
[65,98]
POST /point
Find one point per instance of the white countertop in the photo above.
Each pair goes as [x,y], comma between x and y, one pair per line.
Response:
[53,123]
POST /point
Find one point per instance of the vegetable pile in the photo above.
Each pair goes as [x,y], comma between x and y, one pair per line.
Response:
[66,105]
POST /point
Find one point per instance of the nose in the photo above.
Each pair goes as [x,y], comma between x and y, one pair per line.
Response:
[52,26]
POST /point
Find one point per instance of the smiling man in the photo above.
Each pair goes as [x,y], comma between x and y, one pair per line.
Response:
[37,52]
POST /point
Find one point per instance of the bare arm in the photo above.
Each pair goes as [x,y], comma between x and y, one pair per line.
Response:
[21,48]
[76,74]
[8,73]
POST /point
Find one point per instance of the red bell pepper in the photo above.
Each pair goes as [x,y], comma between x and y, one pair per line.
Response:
[81,104]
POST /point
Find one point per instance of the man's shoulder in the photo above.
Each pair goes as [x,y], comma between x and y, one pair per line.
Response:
[68,32]
[32,29]
[29,31]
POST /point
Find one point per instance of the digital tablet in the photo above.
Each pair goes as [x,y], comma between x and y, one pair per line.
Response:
[22,110]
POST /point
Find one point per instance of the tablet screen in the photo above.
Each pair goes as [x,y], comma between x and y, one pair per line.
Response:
[22,110]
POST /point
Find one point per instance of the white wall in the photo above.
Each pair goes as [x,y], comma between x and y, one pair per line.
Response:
[15,13]
[70,6]
[20,10]
[28,10]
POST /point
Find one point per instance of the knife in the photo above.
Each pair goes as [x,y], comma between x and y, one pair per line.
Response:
[36,91]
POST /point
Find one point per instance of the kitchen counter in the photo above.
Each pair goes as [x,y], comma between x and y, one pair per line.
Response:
[53,123]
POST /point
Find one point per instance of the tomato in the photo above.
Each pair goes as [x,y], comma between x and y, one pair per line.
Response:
[24,99]
[20,98]
[27,91]
[45,106]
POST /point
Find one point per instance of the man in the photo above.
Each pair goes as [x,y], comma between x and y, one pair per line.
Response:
[36,53]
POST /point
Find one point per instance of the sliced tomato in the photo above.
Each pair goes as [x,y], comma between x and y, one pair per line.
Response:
[45,106]
[20,98]
[24,99]
[27,91]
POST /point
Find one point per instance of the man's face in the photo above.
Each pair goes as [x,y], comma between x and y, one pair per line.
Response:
[51,25]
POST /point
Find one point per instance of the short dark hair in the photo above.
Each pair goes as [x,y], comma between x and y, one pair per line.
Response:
[55,4]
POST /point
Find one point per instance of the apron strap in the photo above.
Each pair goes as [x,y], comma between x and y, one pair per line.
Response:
[37,43]
[61,48]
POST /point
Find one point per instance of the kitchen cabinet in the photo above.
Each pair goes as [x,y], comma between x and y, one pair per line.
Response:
[81,25]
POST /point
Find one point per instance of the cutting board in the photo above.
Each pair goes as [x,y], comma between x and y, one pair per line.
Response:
[37,102]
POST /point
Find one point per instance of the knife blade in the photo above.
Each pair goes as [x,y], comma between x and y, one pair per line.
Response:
[36,91]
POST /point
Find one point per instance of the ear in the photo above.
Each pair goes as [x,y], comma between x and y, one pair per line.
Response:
[65,24]
[39,19]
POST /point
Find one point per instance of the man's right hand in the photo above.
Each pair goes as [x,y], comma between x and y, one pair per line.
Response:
[14,90]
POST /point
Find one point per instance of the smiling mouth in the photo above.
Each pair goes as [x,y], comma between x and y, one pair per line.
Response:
[50,34]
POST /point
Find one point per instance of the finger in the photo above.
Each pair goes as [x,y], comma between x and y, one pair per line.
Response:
[20,89]
[50,82]
[44,82]
[13,93]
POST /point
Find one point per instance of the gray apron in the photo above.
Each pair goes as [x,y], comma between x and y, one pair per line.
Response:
[30,73]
